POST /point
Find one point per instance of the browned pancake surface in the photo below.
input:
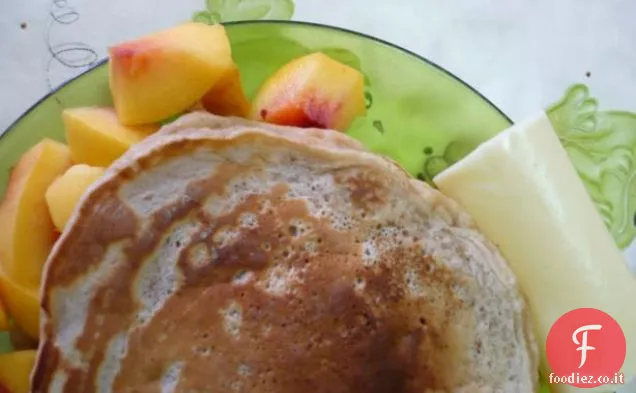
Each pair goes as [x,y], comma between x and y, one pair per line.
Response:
[255,264]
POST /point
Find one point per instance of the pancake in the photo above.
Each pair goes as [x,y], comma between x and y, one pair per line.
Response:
[222,255]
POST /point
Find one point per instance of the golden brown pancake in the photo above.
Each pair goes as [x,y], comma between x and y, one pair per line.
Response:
[228,256]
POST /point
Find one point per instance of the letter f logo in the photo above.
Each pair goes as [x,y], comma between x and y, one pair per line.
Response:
[570,340]
[583,344]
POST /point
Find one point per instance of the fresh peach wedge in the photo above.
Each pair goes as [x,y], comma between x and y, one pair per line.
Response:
[161,75]
[311,91]
[15,371]
[96,137]
[26,229]
[227,97]
[23,305]
[65,192]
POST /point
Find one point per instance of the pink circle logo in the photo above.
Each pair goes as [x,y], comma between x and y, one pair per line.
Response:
[586,348]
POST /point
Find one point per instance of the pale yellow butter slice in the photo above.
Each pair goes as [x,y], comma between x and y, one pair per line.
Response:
[526,196]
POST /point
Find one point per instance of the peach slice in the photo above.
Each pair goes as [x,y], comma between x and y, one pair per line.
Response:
[227,97]
[15,371]
[311,91]
[4,321]
[26,229]
[96,137]
[65,192]
[161,75]
[23,305]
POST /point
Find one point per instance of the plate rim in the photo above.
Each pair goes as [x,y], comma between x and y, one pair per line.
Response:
[103,61]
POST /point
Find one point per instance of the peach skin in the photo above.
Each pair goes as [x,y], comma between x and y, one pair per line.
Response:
[163,74]
[311,91]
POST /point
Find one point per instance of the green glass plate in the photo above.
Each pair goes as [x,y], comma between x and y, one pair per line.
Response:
[418,113]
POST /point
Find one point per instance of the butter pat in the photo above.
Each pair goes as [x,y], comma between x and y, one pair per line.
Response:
[526,196]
